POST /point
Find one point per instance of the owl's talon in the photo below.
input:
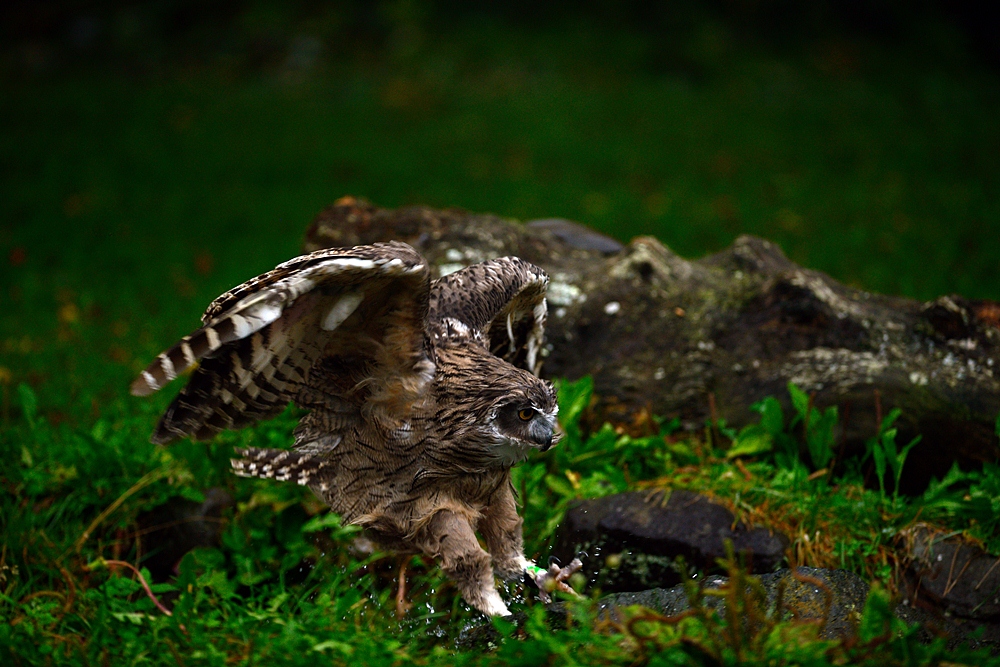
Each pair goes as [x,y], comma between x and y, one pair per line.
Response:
[554,579]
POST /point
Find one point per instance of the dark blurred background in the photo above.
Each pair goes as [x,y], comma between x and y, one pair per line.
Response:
[154,154]
[256,34]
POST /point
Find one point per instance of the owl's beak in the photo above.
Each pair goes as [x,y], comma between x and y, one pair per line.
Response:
[547,435]
[555,435]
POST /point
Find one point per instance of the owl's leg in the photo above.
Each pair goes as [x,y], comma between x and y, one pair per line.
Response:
[450,538]
[501,529]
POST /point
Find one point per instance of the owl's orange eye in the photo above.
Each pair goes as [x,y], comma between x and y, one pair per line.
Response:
[526,414]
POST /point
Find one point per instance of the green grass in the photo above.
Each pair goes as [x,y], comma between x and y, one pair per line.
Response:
[131,201]
[284,587]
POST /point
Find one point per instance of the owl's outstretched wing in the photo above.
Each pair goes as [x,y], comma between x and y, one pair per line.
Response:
[499,304]
[332,330]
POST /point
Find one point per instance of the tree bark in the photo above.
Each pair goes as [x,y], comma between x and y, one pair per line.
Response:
[705,339]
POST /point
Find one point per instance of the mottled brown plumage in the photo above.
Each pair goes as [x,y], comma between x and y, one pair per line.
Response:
[422,395]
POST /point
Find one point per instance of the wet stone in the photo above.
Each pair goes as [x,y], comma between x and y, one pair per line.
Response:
[630,541]
[178,526]
[836,597]
[952,574]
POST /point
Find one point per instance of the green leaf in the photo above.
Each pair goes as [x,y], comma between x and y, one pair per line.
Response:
[752,440]
[325,521]
[879,454]
[29,404]
[888,442]
[800,400]
[574,397]
[876,620]
[772,417]
[134,618]
[341,647]
[560,485]
[192,494]
[820,438]
[277,601]
[888,420]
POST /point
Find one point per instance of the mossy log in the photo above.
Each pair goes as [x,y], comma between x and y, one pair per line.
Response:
[705,339]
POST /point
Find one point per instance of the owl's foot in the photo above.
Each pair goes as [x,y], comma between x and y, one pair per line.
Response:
[554,579]
[493,605]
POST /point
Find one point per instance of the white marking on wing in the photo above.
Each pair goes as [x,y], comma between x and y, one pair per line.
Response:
[510,331]
[341,310]
[168,367]
[241,327]
[535,337]
[457,326]
[213,338]
[150,380]
[352,262]
[188,353]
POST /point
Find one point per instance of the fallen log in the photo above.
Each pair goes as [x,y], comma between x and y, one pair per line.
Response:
[704,339]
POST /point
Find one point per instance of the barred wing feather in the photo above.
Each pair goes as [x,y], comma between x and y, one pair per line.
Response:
[357,314]
[499,304]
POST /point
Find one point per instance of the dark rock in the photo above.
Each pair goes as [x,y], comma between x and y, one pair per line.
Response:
[952,573]
[835,597]
[576,235]
[176,527]
[642,534]
[661,333]
[667,601]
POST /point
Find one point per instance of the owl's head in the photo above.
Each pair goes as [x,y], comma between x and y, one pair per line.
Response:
[523,419]
[490,411]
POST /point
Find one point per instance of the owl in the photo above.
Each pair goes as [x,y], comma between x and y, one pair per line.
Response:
[421,396]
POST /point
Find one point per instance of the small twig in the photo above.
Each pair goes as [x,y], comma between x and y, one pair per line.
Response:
[71,597]
[142,580]
[402,605]
[952,582]
[40,594]
[649,617]
[173,649]
[995,562]
[820,584]
[948,585]
[143,482]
